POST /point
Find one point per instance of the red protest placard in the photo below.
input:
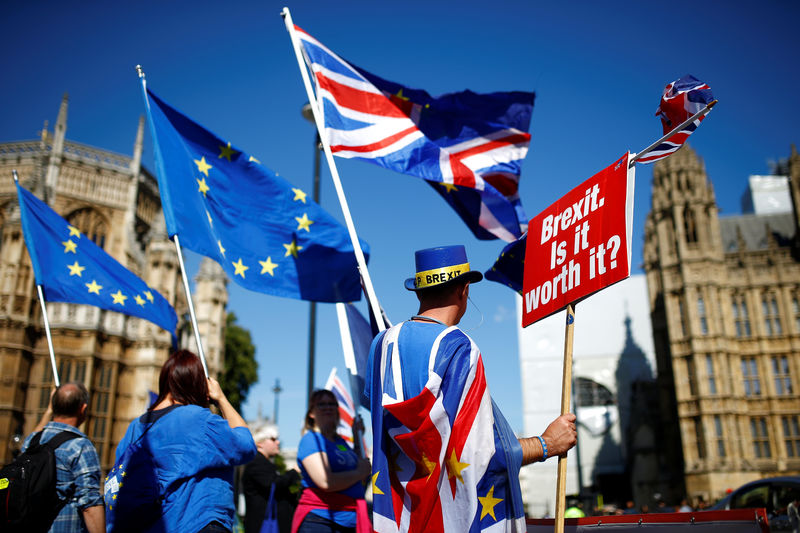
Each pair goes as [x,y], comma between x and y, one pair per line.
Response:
[580,244]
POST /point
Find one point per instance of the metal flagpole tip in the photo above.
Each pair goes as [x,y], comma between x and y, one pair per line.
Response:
[284,12]
[14,174]
[140,71]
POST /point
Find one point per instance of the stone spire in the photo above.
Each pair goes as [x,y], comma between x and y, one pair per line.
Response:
[57,152]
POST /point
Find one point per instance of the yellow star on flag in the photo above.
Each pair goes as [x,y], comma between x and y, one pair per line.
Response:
[454,467]
[240,268]
[149,296]
[75,269]
[375,489]
[202,166]
[119,298]
[73,231]
[203,186]
[139,300]
[226,152]
[70,246]
[487,504]
[304,222]
[299,195]
[292,249]
[400,95]
[221,248]
[430,466]
[254,160]
[449,186]
[94,287]
[268,266]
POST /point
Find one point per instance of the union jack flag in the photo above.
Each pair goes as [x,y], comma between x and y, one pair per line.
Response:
[468,146]
[682,99]
[444,458]
[347,409]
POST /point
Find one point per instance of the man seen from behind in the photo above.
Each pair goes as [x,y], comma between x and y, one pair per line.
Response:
[77,464]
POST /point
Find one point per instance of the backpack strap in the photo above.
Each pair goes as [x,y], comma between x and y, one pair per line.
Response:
[59,439]
[35,440]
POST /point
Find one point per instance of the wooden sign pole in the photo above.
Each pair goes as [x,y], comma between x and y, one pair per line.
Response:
[566,394]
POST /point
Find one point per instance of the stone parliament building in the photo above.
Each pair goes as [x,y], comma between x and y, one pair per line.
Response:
[724,298]
[114,201]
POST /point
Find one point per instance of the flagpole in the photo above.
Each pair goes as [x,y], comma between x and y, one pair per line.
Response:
[566,393]
[177,242]
[351,229]
[192,315]
[675,130]
[44,315]
[47,334]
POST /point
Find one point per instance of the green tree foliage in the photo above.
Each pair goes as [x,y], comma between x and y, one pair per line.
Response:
[241,368]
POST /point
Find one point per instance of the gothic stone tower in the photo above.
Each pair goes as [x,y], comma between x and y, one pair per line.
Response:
[114,201]
[725,308]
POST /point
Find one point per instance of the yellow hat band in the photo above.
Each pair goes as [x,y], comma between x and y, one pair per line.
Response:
[437,276]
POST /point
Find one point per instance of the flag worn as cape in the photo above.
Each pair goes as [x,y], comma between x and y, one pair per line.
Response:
[223,203]
[468,146]
[71,268]
[445,459]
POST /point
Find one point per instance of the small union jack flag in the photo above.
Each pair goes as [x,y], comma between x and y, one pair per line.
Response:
[347,409]
[683,98]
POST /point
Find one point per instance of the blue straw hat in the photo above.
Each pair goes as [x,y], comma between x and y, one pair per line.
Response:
[437,266]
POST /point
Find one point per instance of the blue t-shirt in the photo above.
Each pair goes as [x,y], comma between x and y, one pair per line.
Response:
[340,458]
[194,451]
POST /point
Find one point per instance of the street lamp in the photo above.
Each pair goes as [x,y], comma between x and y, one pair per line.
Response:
[312,319]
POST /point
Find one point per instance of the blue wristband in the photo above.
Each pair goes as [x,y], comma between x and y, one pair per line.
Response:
[544,448]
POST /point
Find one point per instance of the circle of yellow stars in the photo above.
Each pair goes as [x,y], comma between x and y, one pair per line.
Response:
[268,265]
[93,287]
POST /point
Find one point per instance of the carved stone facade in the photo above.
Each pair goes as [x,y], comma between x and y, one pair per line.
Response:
[725,308]
[112,200]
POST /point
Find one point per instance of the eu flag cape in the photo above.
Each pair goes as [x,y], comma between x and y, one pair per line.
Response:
[444,457]
[268,236]
[71,268]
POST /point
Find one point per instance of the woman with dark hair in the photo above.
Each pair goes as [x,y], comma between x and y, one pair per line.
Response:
[193,450]
[333,495]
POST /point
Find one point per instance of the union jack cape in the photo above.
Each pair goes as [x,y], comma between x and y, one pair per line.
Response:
[444,458]
[468,146]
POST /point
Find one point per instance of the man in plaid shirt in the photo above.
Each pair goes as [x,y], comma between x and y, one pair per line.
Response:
[77,464]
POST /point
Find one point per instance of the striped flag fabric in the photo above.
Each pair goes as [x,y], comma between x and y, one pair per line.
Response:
[445,460]
[682,99]
[468,146]
[347,409]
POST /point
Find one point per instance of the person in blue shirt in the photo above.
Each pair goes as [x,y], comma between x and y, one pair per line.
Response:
[333,495]
[194,451]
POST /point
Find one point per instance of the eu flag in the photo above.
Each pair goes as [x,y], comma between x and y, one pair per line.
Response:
[509,267]
[223,203]
[71,268]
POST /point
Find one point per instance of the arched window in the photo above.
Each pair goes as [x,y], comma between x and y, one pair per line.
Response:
[690,225]
[590,393]
[91,223]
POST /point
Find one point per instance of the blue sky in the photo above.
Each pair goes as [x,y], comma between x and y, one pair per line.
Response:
[598,70]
